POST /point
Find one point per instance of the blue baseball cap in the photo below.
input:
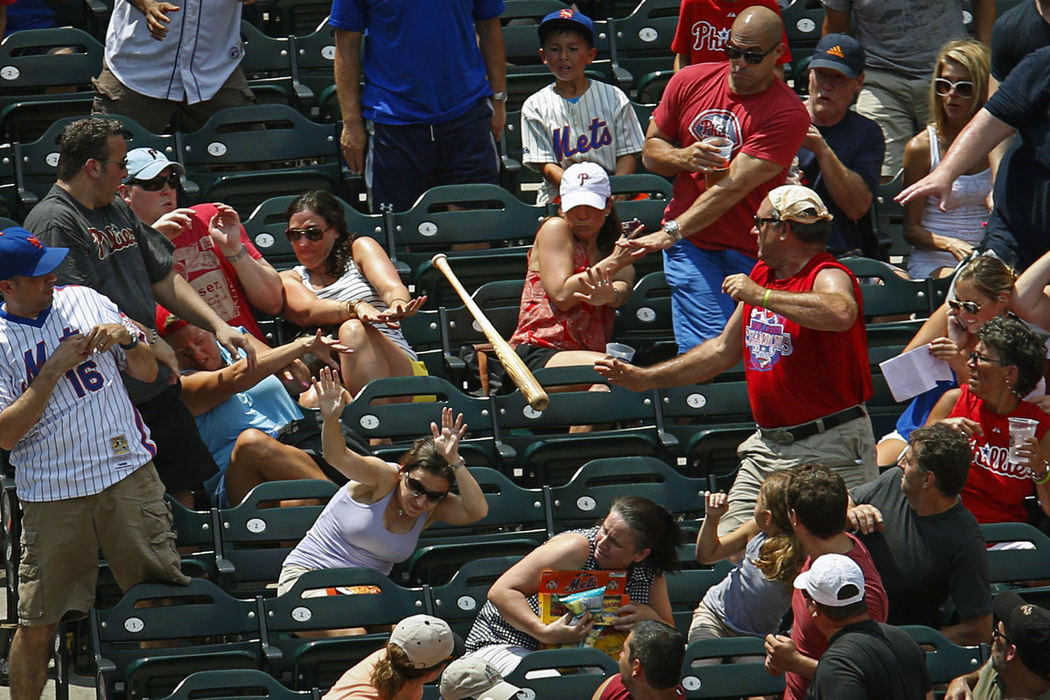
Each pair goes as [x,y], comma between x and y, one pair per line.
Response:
[23,255]
[839,52]
[567,18]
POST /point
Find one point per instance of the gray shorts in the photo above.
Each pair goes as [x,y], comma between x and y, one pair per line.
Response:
[130,520]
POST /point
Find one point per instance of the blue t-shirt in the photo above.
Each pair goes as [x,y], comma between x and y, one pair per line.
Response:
[857,141]
[1018,225]
[422,63]
[745,599]
[266,407]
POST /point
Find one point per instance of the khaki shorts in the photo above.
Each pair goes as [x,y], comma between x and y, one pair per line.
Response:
[156,115]
[60,542]
[847,449]
[900,105]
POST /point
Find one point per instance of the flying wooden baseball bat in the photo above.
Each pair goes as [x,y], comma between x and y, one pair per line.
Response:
[515,367]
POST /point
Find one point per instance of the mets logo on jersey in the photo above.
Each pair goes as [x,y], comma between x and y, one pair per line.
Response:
[716,122]
[766,340]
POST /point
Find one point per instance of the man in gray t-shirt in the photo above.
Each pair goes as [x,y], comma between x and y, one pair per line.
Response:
[901,39]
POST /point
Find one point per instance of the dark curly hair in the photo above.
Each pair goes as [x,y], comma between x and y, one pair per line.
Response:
[1018,346]
[328,208]
[945,452]
[654,528]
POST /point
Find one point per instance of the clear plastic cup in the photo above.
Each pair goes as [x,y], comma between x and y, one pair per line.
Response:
[1020,428]
[620,351]
[724,146]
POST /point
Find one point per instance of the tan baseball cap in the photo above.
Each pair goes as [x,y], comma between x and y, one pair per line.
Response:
[473,677]
[796,203]
[426,640]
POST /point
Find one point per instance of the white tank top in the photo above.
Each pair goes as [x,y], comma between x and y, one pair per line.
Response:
[964,221]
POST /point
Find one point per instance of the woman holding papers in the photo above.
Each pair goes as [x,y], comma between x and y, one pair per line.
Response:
[984,289]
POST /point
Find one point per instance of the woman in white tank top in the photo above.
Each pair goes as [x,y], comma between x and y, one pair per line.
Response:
[347,283]
[942,238]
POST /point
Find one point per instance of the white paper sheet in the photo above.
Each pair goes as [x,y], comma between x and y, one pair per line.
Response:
[911,373]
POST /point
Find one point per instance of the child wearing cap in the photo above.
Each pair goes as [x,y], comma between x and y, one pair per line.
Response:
[419,648]
[576,119]
[576,276]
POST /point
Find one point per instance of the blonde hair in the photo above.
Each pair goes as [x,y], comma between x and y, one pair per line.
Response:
[975,58]
[990,275]
[781,555]
[392,671]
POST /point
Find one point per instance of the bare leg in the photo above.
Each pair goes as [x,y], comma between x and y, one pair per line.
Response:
[888,451]
[570,358]
[30,651]
[374,356]
[257,458]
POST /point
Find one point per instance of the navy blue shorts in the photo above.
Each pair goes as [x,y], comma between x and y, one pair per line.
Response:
[404,161]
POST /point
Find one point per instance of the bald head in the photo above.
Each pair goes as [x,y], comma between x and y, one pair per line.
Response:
[761,23]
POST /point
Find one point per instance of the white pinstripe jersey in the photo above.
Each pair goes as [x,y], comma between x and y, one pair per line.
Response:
[599,127]
[89,436]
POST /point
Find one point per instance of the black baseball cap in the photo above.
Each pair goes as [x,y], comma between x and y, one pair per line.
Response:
[839,52]
[1027,628]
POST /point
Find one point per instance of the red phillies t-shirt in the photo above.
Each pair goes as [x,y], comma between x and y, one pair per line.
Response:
[796,374]
[206,269]
[808,639]
[769,125]
[995,489]
[704,25]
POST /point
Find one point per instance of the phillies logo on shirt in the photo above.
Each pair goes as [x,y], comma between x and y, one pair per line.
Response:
[716,122]
[708,36]
[766,340]
[996,460]
[112,240]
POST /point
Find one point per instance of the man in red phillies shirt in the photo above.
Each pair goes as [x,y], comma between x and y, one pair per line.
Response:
[706,233]
[703,31]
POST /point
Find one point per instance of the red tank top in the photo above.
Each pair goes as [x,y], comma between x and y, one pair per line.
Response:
[995,489]
[796,374]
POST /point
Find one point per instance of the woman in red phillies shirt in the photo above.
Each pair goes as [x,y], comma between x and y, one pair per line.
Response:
[1006,364]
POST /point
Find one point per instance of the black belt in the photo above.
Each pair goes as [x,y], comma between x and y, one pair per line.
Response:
[786,436]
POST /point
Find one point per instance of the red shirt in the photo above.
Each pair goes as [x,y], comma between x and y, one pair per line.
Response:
[768,125]
[797,374]
[616,690]
[995,489]
[208,271]
[808,639]
[704,25]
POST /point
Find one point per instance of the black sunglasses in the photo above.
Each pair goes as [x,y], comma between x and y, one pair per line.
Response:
[312,233]
[759,220]
[944,87]
[976,357]
[752,56]
[417,488]
[970,307]
[158,182]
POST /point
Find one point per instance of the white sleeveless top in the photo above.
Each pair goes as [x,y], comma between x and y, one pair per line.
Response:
[964,221]
[354,285]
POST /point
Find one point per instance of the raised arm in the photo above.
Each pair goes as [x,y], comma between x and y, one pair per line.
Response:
[709,547]
[470,505]
[553,251]
[261,282]
[1030,300]
[847,188]
[829,307]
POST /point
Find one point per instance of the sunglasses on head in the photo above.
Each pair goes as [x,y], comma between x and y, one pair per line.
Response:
[158,182]
[417,489]
[752,56]
[970,307]
[312,233]
[943,87]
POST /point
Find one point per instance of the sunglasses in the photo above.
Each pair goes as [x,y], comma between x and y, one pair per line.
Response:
[759,220]
[312,233]
[158,182]
[417,489]
[752,56]
[943,87]
[122,164]
[970,307]
[1000,635]
[976,357]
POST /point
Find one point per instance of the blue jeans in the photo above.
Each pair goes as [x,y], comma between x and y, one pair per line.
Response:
[699,309]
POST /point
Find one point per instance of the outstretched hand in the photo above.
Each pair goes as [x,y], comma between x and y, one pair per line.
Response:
[621,373]
[446,439]
[332,396]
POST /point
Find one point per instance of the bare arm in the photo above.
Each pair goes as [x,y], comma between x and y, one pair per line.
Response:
[1030,297]
[375,265]
[470,505]
[261,283]
[829,307]
[304,309]
[971,631]
[846,187]
[626,164]
[348,89]
[983,20]
[22,414]
[493,52]
[141,363]
[836,21]
[511,591]
[701,363]
[960,688]
[553,254]
[176,294]
[709,547]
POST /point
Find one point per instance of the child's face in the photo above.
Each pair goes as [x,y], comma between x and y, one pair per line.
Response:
[567,54]
[762,516]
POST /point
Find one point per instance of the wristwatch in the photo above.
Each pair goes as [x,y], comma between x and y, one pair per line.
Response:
[672,229]
[500,96]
